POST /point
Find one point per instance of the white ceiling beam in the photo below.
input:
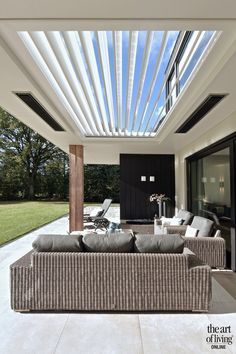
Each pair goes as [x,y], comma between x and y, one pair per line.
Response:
[72,41]
[133,43]
[87,44]
[156,72]
[145,62]
[36,55]
[106,67]
[117,43]
[58,46]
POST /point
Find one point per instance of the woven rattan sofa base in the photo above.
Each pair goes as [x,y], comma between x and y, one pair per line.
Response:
[110,282]
[210,250]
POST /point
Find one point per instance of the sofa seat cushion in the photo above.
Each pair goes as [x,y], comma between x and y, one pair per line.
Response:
[111,242]
[159,243]
[58,243]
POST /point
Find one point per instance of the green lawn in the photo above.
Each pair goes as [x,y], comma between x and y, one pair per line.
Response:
[18,218]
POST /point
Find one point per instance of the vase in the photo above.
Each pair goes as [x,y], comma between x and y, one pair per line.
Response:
[164,209]
[160,209]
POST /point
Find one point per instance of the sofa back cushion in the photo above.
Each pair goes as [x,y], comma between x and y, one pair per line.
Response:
[58,243]
[185,215]
[112,242]
[158,243]
[204,226]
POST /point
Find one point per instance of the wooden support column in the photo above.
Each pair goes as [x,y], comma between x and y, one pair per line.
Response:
[76,187]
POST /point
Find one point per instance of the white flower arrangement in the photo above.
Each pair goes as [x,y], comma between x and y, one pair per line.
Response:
[158,198]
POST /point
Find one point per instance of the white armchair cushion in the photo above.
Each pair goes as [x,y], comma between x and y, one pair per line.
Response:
[176,221]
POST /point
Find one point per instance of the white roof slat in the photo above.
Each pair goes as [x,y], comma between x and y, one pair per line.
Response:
[145,62]
[104,54]
[154,77]
[117,43]
[72,41]
[36,55]
[58,46]
[49,56]
[133,42]
[88,49]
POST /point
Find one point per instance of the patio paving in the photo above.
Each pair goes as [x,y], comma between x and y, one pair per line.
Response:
[95,333]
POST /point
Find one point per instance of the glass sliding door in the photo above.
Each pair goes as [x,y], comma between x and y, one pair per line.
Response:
[210,191]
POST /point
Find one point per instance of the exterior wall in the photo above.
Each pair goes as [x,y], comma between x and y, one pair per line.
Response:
[227,127]
[134,194]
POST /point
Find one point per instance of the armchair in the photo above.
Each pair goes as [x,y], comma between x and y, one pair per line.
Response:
[210,248]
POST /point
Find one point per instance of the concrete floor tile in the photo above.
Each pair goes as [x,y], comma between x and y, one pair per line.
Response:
[101,334]
[30,333]
[175,333]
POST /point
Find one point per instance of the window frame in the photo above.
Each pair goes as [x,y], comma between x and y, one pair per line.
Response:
[175,69]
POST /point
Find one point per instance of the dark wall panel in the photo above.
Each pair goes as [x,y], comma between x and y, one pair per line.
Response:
[134,194]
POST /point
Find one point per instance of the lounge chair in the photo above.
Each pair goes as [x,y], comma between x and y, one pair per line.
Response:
[98,212]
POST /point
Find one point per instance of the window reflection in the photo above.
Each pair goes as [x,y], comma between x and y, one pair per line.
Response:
[210,192]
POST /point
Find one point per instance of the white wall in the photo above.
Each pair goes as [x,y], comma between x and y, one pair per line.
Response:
[228,126]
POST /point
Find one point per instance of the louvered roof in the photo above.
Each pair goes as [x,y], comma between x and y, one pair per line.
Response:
[113,83]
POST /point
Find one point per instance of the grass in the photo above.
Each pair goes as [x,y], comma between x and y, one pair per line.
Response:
[18,218]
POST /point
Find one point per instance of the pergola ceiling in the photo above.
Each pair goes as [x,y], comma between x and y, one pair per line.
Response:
[113,83]
[216,74]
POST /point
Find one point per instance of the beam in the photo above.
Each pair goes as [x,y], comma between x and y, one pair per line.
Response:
[76,187]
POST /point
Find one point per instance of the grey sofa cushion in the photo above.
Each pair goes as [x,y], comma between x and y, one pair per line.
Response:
[112,242]
[58,243]
[204,226]
[159,243]
[185,215]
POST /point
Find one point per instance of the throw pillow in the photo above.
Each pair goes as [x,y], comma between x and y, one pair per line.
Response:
[112,242]
[176,221]
[58,243]
[159,243]
[191,231]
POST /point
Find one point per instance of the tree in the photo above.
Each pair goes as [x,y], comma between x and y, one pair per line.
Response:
[31,166]
[100,182]
[26,151]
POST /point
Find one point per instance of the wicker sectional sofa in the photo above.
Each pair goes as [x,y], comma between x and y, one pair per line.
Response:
[210,250]
[88,281]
